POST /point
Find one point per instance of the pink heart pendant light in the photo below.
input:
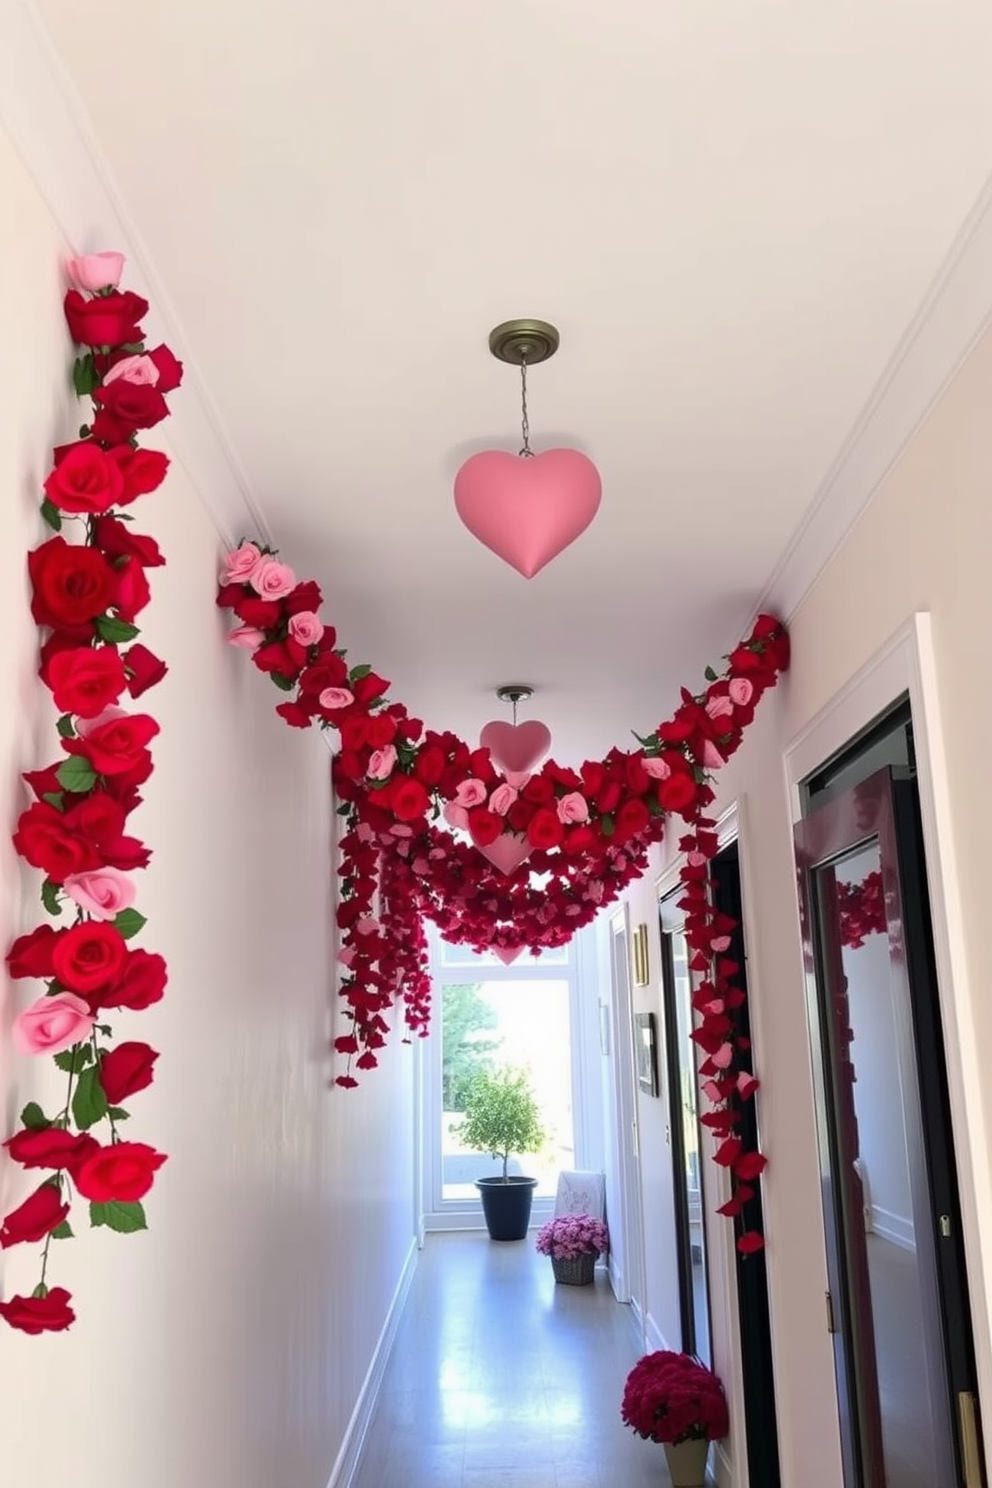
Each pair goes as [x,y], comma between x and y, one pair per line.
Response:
[527,508]
[507,852]
[516,747]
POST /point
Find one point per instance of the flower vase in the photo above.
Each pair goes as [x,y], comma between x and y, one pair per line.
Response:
[687,1462]
[577,1270]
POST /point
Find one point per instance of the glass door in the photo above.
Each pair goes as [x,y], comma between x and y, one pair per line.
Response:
[683,1098]
[897,1305]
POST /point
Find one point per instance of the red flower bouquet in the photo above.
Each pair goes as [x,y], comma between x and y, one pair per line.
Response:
[673,1398]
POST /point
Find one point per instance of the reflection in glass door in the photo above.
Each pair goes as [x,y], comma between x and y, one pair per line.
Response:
[898,1294]
[681,1060]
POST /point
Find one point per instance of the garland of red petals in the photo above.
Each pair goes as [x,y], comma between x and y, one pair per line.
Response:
[86,595]
[861,909]
[586,832]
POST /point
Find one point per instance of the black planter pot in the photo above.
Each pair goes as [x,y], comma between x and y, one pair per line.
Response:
[506,1206]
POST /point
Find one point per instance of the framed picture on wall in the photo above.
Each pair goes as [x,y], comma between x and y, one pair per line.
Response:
[647,1053]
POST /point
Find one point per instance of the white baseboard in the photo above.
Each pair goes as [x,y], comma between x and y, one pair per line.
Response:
[654,1338]
[346,1465]
[893,1227]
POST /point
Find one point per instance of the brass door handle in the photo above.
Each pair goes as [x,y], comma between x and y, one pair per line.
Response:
[971,1458]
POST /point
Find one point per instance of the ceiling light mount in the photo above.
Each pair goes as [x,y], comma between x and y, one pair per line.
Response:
[514,692]
[524,342]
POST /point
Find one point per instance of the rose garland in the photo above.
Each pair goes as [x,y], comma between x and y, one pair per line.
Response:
[586,831]
[861,909]
[86,595]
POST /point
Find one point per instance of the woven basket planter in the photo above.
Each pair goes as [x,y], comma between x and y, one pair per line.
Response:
[576,1270]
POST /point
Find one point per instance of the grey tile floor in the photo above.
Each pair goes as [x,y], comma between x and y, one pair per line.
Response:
[498,1378]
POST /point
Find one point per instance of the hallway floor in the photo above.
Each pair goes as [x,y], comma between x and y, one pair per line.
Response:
[501,1379]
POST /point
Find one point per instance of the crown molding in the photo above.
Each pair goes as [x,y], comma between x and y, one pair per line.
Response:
[953,315]
[44,117]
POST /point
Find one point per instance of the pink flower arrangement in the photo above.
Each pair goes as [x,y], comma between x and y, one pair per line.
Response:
[671,1397]
[573,1235]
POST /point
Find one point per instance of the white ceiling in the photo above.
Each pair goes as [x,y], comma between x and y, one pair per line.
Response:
[732,209]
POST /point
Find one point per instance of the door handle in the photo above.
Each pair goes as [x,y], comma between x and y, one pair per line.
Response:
[971,1457]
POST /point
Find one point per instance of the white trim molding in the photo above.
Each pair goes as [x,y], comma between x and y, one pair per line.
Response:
[906,665]
[346,1465]
[44,116]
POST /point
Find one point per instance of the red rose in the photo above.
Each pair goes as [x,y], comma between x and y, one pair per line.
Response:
[45,839]
[85,680]
[125,1070]
[545,830]
[117,746]
[125,1171]
[143,471]
[540,790]
[354,729]
[380,730]
[89,957]
[295,715]
[580,839]
[520,815]
[631,819]
[144,669]
[609,797]
[31,955]
[84,480]
[118,541]
[126,853]
[48,1314]
[132,592]
[72,584]
[329,671]
[51,1148]
[369,687]
[143,982]
[283,657]
[408,799]
[170,369]
[638,779]
[98,818]
[262,614]
[306,596]
[677,792]
[35,1218]
[429,764]
[108,320]
[484,826]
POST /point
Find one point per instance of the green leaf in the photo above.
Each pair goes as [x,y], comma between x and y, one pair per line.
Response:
[65,727]
[342,810]
[75,1059]
[40,1290]
[51,514]
[34,1118]
[357,673]
[84,378]
[285,684]
[89,1104]
[50,897]
[129,922]
[106,1029]
[76,774]
[55,798]
[134,347]
[606,826]
[62,1231]
[120,1216]
[115,631]
[710,674]
[118,1113]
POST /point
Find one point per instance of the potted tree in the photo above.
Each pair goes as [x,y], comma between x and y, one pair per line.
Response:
[502,1117]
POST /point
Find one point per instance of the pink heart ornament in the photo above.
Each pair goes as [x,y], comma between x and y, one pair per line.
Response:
[507,852]
[527,510]
[506,955]
[516,747]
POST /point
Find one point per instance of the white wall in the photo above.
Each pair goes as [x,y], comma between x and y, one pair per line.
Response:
[922,544]
[229,1344]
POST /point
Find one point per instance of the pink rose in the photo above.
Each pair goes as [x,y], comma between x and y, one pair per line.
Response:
[719,944]
[382,763]
[720,706]
[723,1057]
[658,769]
[746,1085]
[367,925]
[101,892]
[347,956]
[697,860]
[741,691]
[306,627]
[336,697]
[238,566]
[86,726]
[455,816]
[573,808]
[272,579]
[712,758]
[139,370]
[52,1024]
[247,637]
[470,793]
[502,799]
[595,890]
[95,271]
